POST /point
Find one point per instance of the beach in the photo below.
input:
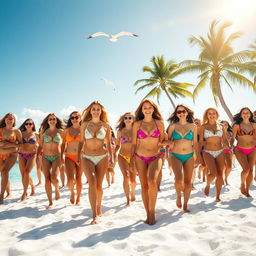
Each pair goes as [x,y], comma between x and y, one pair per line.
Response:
[225,228]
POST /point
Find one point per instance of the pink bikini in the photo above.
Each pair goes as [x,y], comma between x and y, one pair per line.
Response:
[142,135]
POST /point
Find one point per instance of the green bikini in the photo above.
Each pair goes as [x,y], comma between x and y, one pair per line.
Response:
[48,139]
[188,136]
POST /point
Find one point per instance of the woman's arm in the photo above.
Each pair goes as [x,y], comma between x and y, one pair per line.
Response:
[82,140]
[108,144]
[117,143]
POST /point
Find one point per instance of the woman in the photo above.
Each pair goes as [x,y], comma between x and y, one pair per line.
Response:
[39,161]
[124,143]
[244,130]
[51,139]
[228,154]
[213,139]
[148,133]
[71,143]
[94,156]
[27,155]
[110,172]
[9,140]
[183,132]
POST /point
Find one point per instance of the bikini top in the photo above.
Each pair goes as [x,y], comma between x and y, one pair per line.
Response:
[208,133]
[30,141]
[69,138]
[188,136]
[125,140]
[142,135]
[242,132]
[56,139]
[11,139]
[100,135]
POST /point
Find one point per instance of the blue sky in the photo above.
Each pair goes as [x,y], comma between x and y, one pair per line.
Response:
[48,65]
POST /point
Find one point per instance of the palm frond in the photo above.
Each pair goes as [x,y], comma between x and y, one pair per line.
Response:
[226,80]
[149,80]
[200,86]
[214,90]
[145,86]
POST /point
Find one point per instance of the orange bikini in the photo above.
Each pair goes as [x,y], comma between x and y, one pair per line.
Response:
[12,139]
[69,139]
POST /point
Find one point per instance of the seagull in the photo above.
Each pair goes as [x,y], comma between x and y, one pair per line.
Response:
[112,38]
[107,82]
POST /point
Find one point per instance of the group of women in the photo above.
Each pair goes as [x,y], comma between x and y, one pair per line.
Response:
[85,145]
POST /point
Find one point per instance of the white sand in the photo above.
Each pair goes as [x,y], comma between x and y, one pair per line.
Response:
[226,228]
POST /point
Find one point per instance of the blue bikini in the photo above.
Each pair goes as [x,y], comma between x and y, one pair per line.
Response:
[188,136]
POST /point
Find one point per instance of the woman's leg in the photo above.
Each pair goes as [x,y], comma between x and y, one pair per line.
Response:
[243,161]
[39,169]
[56,165]
[89,170]
[178,176]
[100,171]
[154,169]
[188,173]
[46,167]
[212,171]
[228,166]
[220,163]
[79,184]
[70,168]
[8,164]
[142,169]
[62,175]
[251,160]
[124,167]
[25,180]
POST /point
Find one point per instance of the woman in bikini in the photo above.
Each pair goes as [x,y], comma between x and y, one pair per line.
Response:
[27,155]
[148,133]
[71,144]
[183,133]
[94,156]
[124,143]
[213,139]
[51,139]
[9,140]
[244,130]
[228,153]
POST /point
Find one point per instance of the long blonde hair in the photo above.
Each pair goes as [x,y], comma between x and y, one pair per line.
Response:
[205,118]
[86,114]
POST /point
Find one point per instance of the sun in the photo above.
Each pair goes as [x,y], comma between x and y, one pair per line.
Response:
[238,11]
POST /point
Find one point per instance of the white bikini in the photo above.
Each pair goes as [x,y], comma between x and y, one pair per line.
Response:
[207,134]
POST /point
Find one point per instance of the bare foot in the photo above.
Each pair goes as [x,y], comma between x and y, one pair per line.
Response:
[39,183]
[248,195]
[49,206]
[185,208]
[24,197]
[78,201]
[178,201]
[242,188]
[146,221]
[132,198]
[72,197]
[128,203]
[217,199]
[207,190]
[193,188]
[1,200]
[8,195]
[94,221]
[151,219]
[57,194]
[62,187]
[32,190]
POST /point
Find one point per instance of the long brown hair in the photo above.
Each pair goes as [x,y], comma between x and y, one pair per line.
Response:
[86,115]
[120,123]
[140,116]
[68,122]
[238,117]
[2,121]
[205,118]
[174,119]
[44,125]
[23,126]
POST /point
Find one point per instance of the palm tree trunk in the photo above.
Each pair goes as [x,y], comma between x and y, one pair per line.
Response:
[222,102]
[168,95]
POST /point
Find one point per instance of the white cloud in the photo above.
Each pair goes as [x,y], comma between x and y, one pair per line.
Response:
[65,112]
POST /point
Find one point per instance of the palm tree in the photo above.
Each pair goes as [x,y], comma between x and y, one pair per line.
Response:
[218,63]
[161,77]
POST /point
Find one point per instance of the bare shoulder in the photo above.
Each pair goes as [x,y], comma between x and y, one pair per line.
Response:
[170,127]
[137,124]
[160,123]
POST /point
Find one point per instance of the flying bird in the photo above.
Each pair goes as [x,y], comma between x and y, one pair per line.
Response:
[107,82]
[112,38]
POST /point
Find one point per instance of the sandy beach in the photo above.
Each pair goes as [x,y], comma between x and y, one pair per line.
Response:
[226,228]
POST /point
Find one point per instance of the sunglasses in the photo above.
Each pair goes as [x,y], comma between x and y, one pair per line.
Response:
[74,117]
[9,118]
[128,118]
[28,123]
[52,119]
[181,112]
